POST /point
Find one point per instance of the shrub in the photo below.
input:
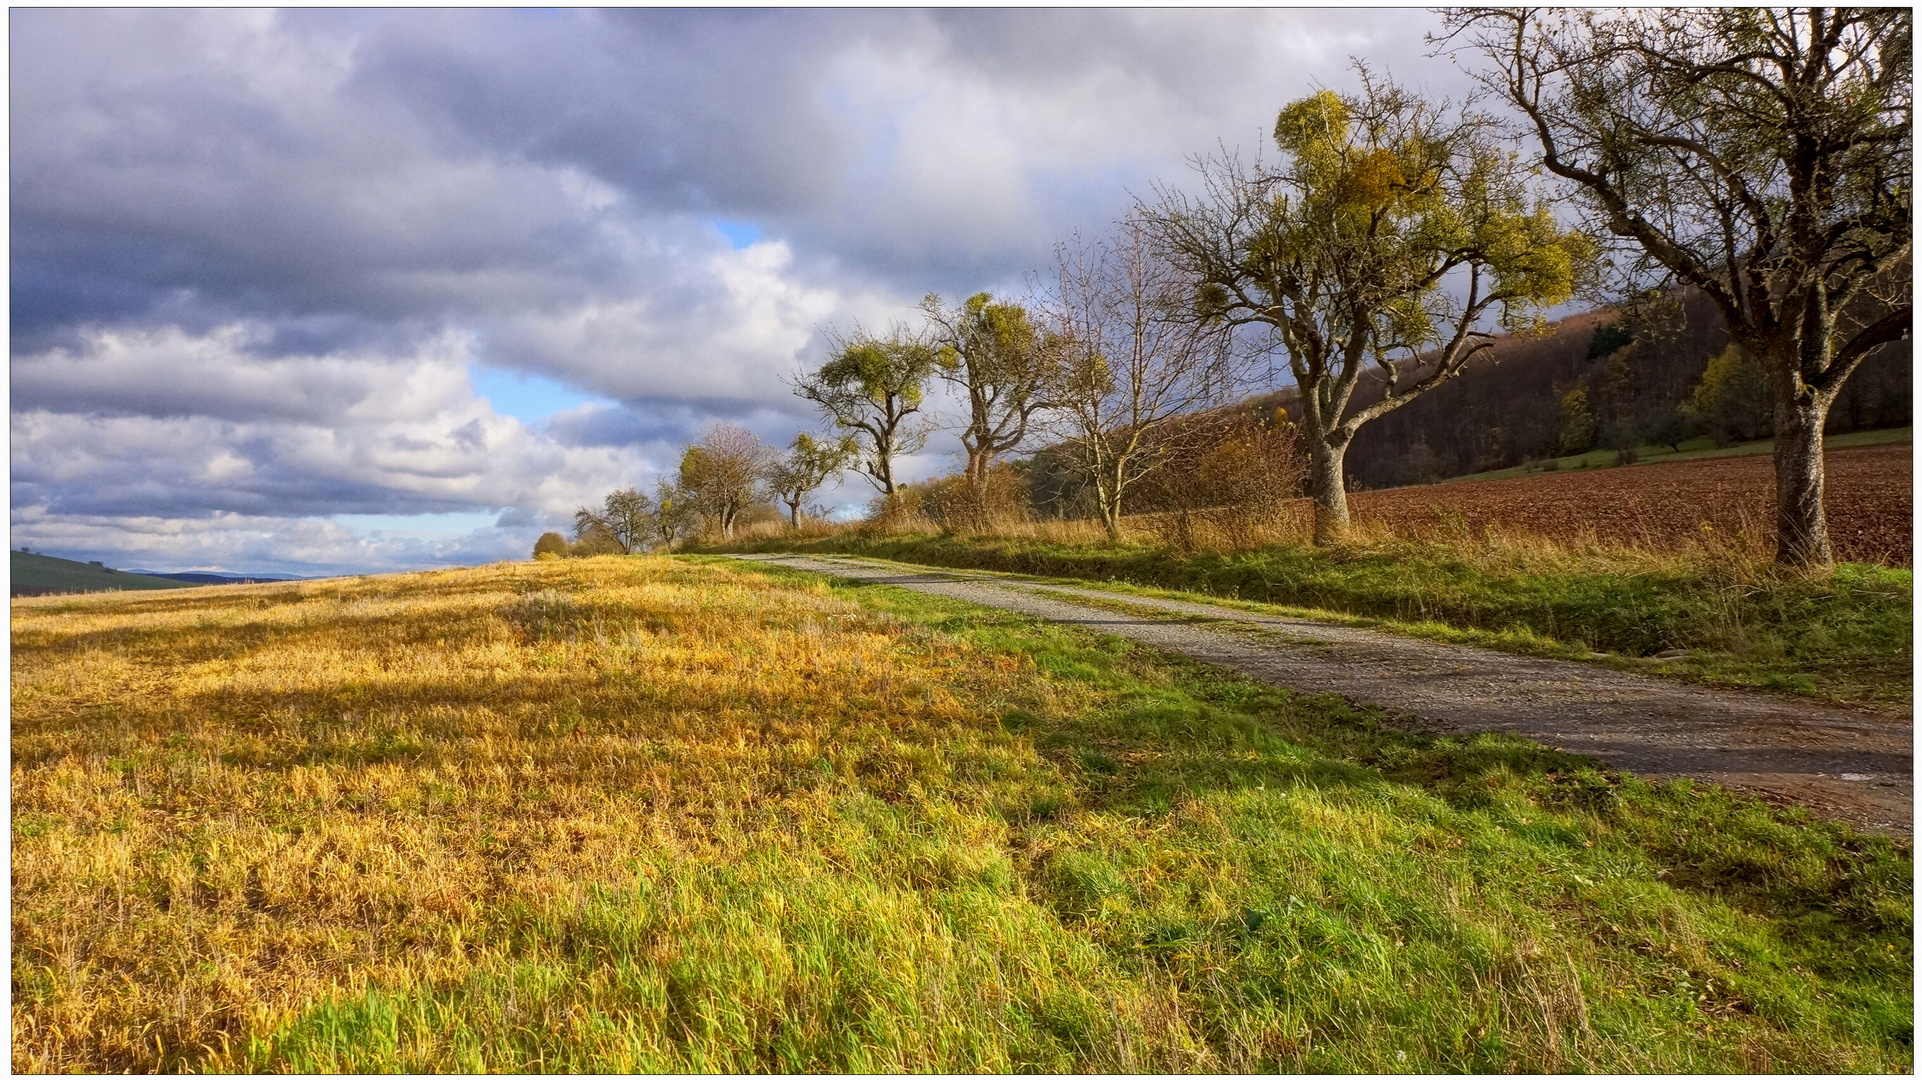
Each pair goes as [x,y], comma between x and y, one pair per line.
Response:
[551,545]
[953,504]
[594,539]
[1232,472]
[899,512]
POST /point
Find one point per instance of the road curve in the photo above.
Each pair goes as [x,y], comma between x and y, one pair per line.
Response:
[1840,764]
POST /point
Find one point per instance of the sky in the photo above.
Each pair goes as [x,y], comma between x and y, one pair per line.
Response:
[318,292]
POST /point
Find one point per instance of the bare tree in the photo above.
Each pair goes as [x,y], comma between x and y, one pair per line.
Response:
[592,538]
[722,473]
[1392,232]
[1764,156]
[995,355]
[808,464]
[1131,357]
[625,519]
[873,388]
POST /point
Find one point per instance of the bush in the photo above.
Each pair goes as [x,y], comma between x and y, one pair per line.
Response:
[899,512]
[952,503]
[1232,472]
[595,540]
[551,545]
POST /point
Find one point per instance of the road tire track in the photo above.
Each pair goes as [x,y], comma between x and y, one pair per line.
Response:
[1840,764]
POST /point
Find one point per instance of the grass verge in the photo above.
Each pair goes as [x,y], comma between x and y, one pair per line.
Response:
[649,814]
[1846,637]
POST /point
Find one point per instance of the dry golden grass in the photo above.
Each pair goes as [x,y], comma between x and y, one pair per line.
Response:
[1504,544]
[231,803]
[640,814]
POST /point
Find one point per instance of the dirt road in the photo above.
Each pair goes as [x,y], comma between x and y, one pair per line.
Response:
[1845,765]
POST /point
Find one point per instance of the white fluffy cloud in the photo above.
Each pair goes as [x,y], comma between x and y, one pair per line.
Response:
[139,427]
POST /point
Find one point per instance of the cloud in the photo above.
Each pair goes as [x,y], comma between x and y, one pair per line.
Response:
[721,327]
[255,253]
[242,543]
[166,422]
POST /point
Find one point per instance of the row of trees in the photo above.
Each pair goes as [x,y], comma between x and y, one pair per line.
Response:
[1762,158]
[1758,157]
[1393,233]
[1103,362]
[728,475]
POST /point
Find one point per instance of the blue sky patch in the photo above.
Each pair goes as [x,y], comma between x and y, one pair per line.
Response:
[739,233]
[527,398]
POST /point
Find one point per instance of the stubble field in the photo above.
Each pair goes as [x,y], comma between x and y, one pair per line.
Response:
[649,814]
[1670,506]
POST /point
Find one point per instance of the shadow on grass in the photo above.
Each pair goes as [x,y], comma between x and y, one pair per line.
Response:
[1182,729]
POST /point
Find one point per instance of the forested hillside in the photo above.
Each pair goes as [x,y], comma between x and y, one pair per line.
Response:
[1596,380]
[1599,379]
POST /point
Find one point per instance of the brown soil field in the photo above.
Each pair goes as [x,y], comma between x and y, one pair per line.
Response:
[1670,505]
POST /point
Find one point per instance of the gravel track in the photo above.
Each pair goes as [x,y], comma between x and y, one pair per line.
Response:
[1851,766]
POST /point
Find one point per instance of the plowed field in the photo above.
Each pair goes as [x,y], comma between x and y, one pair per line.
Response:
[1665,506]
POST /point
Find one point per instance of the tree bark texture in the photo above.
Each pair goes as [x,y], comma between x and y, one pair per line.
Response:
[1108,495]
[1326,484]
[1801,526]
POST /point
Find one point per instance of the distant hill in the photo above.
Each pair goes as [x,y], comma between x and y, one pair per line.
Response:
[39,575]
[1509,408]
[215,577]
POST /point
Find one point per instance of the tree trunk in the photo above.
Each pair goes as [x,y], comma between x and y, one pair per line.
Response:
[977,480]
[977,468]
[793,514]
[1108,495]
[1330,492]
[881,469]
[1801,525]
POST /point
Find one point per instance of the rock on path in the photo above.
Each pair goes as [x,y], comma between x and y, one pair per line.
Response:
[1851,766]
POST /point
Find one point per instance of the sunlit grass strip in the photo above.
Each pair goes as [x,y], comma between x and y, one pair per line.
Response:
[634,814]
[1846,637]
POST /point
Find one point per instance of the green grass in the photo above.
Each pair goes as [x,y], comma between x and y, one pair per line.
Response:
[1701,446]
[47,572]
[690,815]
[1846,637]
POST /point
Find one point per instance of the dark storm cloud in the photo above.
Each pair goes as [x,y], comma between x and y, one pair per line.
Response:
[202,193]
[405,168]
[604,425]
[686,111]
